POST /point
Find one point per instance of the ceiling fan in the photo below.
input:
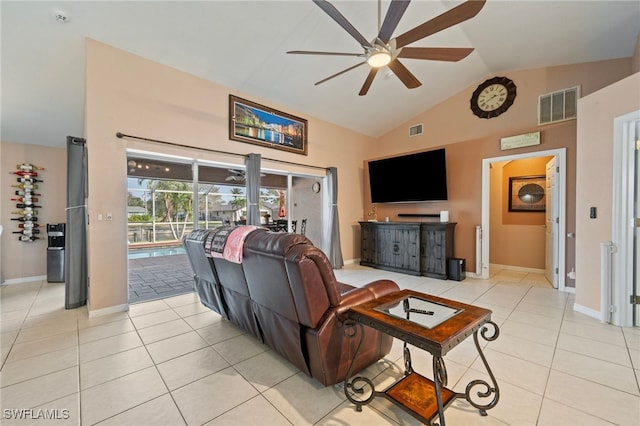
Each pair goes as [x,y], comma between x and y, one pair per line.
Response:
[236,175]
[384,50]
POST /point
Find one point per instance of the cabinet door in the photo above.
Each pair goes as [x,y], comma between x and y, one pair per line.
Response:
[368,244]
[434,254]
[386,246]
[407,256]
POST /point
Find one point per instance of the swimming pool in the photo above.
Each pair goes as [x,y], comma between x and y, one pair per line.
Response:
[155,252]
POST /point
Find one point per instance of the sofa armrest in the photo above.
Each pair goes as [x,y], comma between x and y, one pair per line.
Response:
[369,292]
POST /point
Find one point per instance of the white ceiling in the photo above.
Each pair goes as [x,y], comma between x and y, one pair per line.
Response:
[242,45]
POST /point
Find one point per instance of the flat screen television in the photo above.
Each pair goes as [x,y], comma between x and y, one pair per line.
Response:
[409,178]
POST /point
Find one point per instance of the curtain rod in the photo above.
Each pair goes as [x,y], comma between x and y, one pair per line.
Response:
[123,135]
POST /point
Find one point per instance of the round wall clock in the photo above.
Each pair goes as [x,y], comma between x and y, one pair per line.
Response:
[493,97]
[316,187]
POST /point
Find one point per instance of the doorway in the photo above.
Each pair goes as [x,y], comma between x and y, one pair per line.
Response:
[556,240]
[159,213]
[625,289]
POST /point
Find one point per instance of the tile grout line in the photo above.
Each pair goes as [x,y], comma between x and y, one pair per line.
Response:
[43,375]
[21,324]
[209,345]
[155,366]
[633,368]
[135,329]
[553,356]
[531,290]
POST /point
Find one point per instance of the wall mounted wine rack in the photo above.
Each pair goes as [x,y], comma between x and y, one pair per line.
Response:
[27,198]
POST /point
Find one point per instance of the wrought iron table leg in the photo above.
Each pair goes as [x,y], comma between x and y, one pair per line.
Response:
[488,389]
[440,380]
[358,384]
[408,369]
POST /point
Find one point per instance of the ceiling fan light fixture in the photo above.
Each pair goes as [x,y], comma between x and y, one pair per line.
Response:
[379,58]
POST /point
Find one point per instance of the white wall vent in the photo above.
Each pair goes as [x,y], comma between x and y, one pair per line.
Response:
[415,130]
[558,106]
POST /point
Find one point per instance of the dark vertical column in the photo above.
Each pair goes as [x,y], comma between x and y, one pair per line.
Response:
[76,239]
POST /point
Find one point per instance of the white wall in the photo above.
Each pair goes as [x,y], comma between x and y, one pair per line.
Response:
[594,180]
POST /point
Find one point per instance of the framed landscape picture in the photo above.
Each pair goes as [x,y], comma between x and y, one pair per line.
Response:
[527,194]
[260,125]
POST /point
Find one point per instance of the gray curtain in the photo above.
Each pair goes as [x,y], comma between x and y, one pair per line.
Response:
[75,256]
[253,189]
[335,250]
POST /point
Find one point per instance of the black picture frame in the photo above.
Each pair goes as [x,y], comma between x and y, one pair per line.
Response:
[527,194]
[257,124]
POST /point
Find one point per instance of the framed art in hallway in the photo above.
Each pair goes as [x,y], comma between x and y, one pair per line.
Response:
[257,124]
[527,194]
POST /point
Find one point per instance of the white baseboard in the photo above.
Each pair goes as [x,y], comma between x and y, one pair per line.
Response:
[106,311]
[587,311]
[517,268]
[24,280]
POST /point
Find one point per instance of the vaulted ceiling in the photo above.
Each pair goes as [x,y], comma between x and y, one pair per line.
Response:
[243,45]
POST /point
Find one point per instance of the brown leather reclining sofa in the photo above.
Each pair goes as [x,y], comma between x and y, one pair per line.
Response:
[284,293]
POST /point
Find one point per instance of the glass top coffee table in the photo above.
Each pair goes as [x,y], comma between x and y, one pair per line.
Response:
[435,325]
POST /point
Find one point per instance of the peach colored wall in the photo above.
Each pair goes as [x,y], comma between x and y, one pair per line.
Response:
[464,170]
[525,167]
[452,121]
[595,179]
[133,95]
[469,139]
[19,260]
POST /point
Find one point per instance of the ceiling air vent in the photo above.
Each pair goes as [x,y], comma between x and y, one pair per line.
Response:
[558,106]
[415,130]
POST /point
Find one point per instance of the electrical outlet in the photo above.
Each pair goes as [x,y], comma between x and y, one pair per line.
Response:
[109,216]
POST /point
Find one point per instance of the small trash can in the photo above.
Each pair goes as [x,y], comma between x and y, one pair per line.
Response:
[457,269]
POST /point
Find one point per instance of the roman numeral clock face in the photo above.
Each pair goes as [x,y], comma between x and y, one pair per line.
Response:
[493,97]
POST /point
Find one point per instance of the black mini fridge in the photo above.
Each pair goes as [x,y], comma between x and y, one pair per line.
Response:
[55,252]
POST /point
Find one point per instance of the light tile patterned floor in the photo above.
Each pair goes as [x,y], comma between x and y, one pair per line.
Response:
[174,362]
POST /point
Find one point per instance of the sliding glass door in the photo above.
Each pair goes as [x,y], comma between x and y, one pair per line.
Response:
[160,212]
[167,198]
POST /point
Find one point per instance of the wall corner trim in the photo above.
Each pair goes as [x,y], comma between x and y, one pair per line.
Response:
[587,311]
[110,310]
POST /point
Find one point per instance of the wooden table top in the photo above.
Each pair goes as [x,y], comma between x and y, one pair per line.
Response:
[437,339]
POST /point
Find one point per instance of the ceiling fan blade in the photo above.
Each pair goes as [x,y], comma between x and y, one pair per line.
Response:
[342,21]
[312,52]
[404,74]
[460,13]
[339,73]
[392,18]
[368,81]
[450,54]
